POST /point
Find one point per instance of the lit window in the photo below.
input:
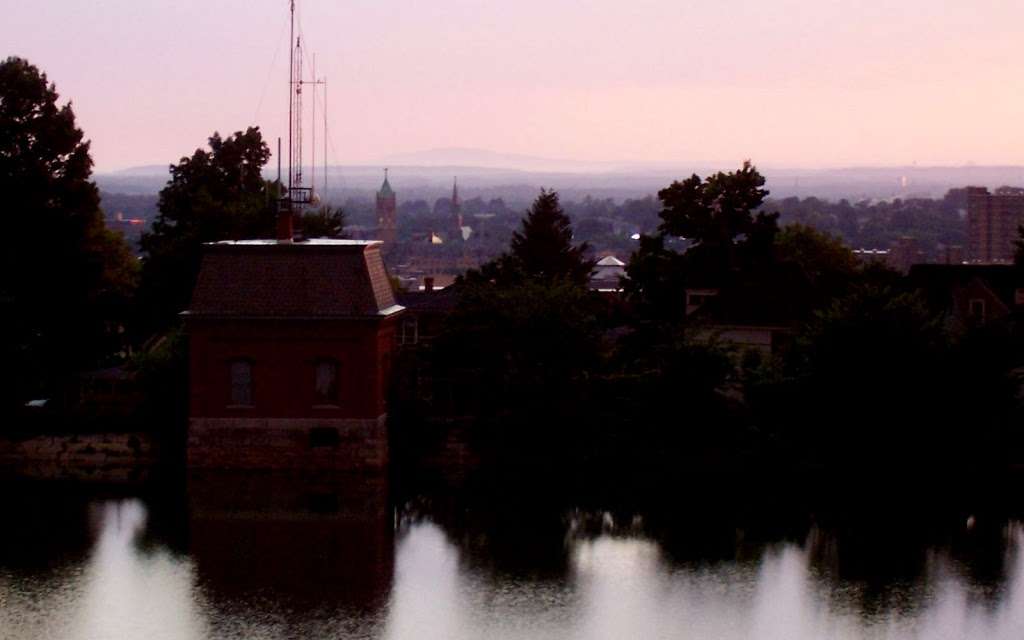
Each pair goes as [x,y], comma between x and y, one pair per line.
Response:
[241,383]
[327,382]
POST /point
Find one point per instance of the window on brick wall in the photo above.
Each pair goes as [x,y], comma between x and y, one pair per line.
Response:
[326,382]
[410,331]
[977,310]
[241,382]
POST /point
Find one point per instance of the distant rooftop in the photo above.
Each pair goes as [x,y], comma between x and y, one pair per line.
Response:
[312,242]
[610,261]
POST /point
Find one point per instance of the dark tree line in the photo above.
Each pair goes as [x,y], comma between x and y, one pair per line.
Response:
[934,223]
[873,379]
[65,280]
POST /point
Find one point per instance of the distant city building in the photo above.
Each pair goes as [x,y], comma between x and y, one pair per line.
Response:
[386,208]
[952,254]
[905,253]
[868,256]
[607,274]
[426,309]
[992,221]
[130,228]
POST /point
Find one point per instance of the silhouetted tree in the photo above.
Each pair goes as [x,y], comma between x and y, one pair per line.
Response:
[213,195]
[64,275]
[725,238]
[325,222]
[520,355]
[718,213]
[874,377]
[827,264]
[543,247]
[525,337]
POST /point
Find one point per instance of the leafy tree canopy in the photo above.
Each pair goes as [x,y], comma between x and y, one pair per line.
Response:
[727,239]
[64,275]
[216,194]
[718,211]
[325,222]
[826,262]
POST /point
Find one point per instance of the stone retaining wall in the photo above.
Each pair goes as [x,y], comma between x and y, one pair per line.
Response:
[106,457]
[286,443]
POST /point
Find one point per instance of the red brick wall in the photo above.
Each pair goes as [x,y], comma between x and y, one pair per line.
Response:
[284,355]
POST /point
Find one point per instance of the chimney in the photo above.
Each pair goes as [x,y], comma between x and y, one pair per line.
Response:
[428,284]
[285,231]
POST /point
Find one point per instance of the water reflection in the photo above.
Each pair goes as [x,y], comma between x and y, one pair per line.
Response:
[258,557]
[305,557]
[119,591]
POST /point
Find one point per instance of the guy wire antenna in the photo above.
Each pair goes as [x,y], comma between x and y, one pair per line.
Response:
[298,195]
[312,162]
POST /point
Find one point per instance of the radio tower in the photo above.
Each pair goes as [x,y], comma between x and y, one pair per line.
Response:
[298,195]
[295,130]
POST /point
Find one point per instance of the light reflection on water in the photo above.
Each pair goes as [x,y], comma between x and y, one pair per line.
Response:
[429,587]
[119,592]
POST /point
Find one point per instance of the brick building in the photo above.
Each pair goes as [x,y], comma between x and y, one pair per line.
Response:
[992,221]
[291,346]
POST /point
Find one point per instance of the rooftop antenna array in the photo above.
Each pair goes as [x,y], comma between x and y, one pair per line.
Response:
[299,195]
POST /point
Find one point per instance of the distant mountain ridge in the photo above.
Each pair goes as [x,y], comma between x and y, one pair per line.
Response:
[489,173]
[485,158]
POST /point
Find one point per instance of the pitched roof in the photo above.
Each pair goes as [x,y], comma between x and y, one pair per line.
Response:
[610,261]
[314,279]
[439,301]
[938,281]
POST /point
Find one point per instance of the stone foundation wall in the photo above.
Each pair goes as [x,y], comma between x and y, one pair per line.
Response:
[103,457]
[288,443]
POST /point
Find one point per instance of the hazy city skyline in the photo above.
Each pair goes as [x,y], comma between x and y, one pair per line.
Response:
[787,83]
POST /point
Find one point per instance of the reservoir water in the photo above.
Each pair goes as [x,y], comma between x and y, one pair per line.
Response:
[254,559]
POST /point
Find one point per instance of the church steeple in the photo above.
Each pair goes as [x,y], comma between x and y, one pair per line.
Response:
[385,189]
[456,232]
[386,210]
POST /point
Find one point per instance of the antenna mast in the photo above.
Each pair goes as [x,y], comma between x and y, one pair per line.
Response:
[298,195]
[325,136]
[312,146]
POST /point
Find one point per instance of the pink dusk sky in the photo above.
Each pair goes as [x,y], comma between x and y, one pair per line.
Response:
[808,83]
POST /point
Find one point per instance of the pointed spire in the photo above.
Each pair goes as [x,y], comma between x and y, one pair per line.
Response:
[385,189]
[455,192]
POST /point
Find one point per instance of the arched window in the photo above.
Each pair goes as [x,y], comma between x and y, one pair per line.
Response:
[326,382]
[241,383]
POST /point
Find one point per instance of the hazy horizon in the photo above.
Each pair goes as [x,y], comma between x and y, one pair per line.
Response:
[789,83]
